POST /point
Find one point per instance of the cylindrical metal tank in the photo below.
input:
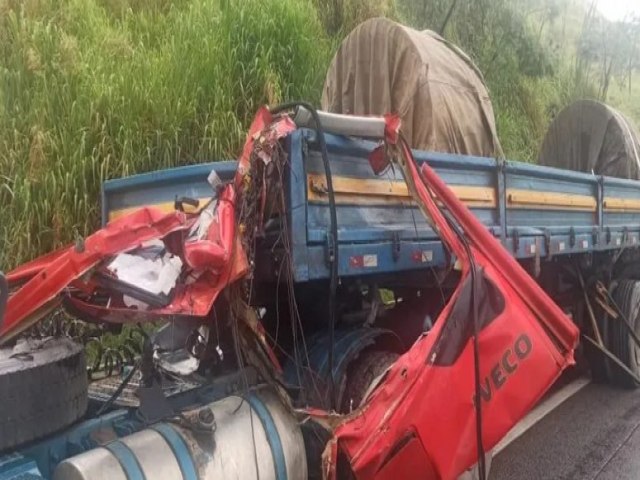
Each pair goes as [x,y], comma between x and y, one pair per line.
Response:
[254,437]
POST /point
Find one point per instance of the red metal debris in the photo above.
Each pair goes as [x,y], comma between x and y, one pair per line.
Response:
[212,262]
[217,260]
[50,275]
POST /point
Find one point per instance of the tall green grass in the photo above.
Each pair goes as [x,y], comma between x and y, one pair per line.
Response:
[97,89]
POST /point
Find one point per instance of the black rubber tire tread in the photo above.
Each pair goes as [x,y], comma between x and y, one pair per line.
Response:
[627,297]
[364,370]
[42,392]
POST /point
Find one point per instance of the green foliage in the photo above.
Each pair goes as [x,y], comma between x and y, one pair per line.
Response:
[608,52]
[537,56]
[97,89]
[520,71]
[339,17]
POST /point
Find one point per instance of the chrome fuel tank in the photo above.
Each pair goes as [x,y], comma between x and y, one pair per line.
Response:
[254,437]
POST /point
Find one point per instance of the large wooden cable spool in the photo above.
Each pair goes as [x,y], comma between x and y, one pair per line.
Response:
[589,136]
[384,67]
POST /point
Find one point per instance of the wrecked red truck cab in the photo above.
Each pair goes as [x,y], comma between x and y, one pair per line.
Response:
[410,344]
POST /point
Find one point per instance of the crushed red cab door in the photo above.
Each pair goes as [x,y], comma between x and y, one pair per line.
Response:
[406,458]
[438,389]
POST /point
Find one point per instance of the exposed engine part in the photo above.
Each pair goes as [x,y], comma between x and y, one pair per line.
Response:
[257,432]
[179,347]
[177,362]
[43,388]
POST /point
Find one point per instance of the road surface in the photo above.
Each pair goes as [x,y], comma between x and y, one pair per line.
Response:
[594,434]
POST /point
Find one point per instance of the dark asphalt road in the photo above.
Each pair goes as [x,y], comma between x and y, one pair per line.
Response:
[593,435]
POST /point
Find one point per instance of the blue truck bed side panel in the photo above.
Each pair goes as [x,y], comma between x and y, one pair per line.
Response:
[385,234]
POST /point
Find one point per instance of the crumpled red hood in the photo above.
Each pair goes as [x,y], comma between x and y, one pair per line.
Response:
[421,420]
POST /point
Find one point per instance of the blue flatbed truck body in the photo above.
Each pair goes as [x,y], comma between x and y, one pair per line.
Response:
[537,212]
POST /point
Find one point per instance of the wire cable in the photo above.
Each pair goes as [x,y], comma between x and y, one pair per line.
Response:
[482,471]
[333,234]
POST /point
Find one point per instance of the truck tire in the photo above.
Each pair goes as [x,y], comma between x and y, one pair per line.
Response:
[42,389]
[627,297]
[362,373]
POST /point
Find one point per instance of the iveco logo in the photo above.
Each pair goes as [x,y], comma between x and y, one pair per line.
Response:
[507,365]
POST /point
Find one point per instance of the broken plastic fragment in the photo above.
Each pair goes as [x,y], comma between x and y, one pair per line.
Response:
[205,219]
[179,362]
[156,276]
[214,180]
